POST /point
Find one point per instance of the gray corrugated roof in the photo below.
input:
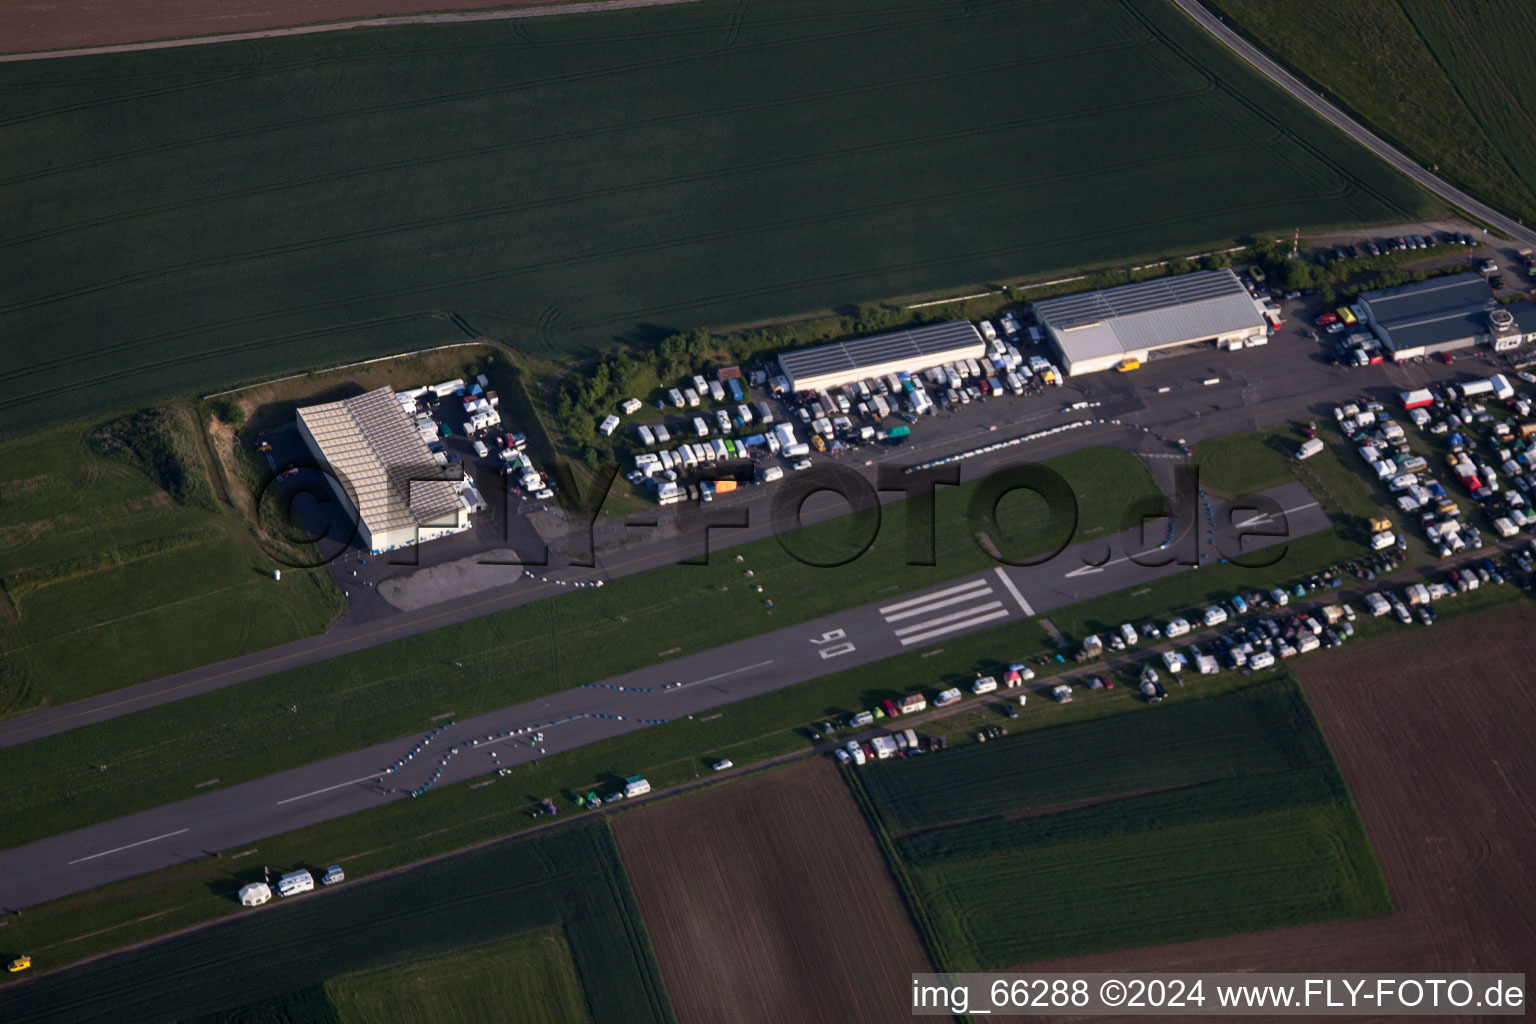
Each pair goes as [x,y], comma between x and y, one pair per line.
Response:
[1440,327]
[1440,311]
[380,455]
[915,344]
[1433,296]
[1149,315]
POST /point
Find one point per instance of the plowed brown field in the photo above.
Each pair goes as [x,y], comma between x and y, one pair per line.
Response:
[768,900]
[32,25]
[1435,732]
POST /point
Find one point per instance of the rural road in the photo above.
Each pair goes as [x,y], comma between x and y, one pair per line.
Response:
[447,17]
[229,818]
[1299,89]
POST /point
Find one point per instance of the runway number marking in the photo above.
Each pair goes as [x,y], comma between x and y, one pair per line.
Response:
[831,637]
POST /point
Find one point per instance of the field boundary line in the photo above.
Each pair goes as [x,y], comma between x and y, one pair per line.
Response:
[484,342]
[444,18]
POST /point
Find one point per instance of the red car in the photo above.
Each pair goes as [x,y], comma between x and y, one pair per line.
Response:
[1326,319]
[890,709]
[1446,357]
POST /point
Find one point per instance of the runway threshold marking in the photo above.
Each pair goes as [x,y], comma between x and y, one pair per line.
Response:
[967,624]
[926,599]
[951,617]
[141,842]
[1008,585]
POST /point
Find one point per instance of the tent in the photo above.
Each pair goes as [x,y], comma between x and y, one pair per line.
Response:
[255,894]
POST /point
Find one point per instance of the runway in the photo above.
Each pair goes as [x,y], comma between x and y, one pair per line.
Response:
[229,818]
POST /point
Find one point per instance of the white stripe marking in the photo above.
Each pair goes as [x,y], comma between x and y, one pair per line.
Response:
[919,638]
[130,846]
[933,606]
[951,617]
[898,606]
[327,789]
[1008,583]
[732,672]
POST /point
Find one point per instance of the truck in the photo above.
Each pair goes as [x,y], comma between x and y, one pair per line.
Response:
[1309,448]
[708,489]
[768,474]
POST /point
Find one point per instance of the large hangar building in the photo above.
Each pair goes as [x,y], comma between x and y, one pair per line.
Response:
[918,348]
[388,477]
[1446,314]
[1096,331]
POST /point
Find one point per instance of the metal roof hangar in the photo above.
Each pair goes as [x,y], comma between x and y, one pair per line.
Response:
[1095,331]
[1445,314]
[843,362]
[386,472]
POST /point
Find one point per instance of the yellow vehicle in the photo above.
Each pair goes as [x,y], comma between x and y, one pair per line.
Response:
[1127,364]
[21,963]
[1380,524]
[818,443]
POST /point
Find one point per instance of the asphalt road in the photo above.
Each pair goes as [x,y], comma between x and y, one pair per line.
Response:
[228,818]
[1399,160]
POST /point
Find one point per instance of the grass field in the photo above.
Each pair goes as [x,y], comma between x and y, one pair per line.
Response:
[388,691]
[458,816]
[366,944]
[197,216]
[1223,814]
[532,972]
[1255,731]
[97,556]
[1449,82]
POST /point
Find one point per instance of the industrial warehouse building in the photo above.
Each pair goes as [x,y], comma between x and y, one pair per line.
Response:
[383,471]
[844,362]
[1096,331]
[1446,314]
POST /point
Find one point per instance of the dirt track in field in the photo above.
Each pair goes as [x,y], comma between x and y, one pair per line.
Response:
[1435,732]
[767,900]
[64,27]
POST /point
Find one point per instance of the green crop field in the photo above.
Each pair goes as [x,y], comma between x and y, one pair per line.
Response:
[533,973]
[182,219]
[456,919]
[1449,82]
[110,575]
[1226,813]
[1259,730]
[390,690]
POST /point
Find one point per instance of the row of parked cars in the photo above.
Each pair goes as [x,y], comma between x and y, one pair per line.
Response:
[1401,243]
